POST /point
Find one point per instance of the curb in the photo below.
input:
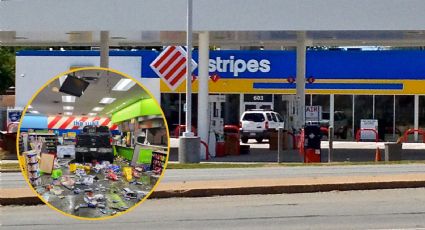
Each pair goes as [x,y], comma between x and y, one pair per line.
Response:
[249,190]
[264,190]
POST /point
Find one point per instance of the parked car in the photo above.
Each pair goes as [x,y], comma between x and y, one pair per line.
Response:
[94,143]
[256,124]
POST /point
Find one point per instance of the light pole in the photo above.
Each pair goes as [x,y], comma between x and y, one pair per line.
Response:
[189,144]
[188,132]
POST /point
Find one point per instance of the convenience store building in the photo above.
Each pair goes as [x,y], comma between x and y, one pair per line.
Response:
[387,85]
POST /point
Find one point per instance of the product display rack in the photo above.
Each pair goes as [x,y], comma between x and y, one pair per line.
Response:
[158,161]
[51,143]
[21,146]
[69,141]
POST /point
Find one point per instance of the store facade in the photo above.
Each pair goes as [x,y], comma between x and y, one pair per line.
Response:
[385,85]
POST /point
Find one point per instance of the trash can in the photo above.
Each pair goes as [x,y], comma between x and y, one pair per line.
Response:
[231,140]
[312,145]
[393,151]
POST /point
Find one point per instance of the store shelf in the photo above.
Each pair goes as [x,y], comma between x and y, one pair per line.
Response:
[41,134]
[122,146]
[156,148]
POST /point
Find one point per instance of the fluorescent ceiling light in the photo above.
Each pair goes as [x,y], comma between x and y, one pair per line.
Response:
[124,84]
[107,100]
[68,99]
[67,113]
[97,109]
[68,108]
[92,114]
[30,107]
[34,111]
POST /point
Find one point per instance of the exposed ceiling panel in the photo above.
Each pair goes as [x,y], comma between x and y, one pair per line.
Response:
[49,101]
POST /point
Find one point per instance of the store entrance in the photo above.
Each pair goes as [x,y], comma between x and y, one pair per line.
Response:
[257,101]
[258,105]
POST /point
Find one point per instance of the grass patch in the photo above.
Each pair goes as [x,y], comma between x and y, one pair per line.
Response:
[214,165]
[296,164]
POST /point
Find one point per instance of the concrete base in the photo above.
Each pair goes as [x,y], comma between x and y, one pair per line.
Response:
[393,152]
[189,149]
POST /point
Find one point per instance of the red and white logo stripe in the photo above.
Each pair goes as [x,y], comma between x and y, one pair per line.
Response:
[77,122]
[170,66]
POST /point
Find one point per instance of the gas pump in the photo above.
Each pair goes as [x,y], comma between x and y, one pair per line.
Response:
[291,110]
[216,126]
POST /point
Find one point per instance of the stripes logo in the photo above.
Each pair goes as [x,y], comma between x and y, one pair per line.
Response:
[170,66]
[75,122]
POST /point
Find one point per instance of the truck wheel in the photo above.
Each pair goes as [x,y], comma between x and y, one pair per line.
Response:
[259,139]
[244,140]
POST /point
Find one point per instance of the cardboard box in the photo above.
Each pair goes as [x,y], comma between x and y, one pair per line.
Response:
[46,162]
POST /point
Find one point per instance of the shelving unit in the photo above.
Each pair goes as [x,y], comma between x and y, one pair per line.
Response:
[50,141]
[69,141]
[21,145]
[50,144]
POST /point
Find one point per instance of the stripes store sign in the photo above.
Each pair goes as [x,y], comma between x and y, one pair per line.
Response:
[78,122]
[170,66]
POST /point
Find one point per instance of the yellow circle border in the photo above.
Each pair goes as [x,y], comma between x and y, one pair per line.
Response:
[19,134]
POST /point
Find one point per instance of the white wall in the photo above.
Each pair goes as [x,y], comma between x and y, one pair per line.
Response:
[32,72]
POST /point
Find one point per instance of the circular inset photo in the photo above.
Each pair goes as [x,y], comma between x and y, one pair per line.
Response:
[93,143]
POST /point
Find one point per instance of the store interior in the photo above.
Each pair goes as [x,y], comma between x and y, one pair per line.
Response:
[93,143]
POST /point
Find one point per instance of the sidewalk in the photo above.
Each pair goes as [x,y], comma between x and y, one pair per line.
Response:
[24,196]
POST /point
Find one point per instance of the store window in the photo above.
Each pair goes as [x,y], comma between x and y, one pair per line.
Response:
[230,109]
[384,113]
[422,112]
[322,100]
[308,99]
[404,112]
[173,109]
[363,109]
[343,118]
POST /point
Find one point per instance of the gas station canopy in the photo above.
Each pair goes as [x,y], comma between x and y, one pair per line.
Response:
[270,23]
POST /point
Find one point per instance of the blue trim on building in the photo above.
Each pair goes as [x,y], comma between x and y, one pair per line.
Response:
[334,86]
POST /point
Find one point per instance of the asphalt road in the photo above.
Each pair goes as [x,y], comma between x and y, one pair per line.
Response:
[15,180]
[375,209]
